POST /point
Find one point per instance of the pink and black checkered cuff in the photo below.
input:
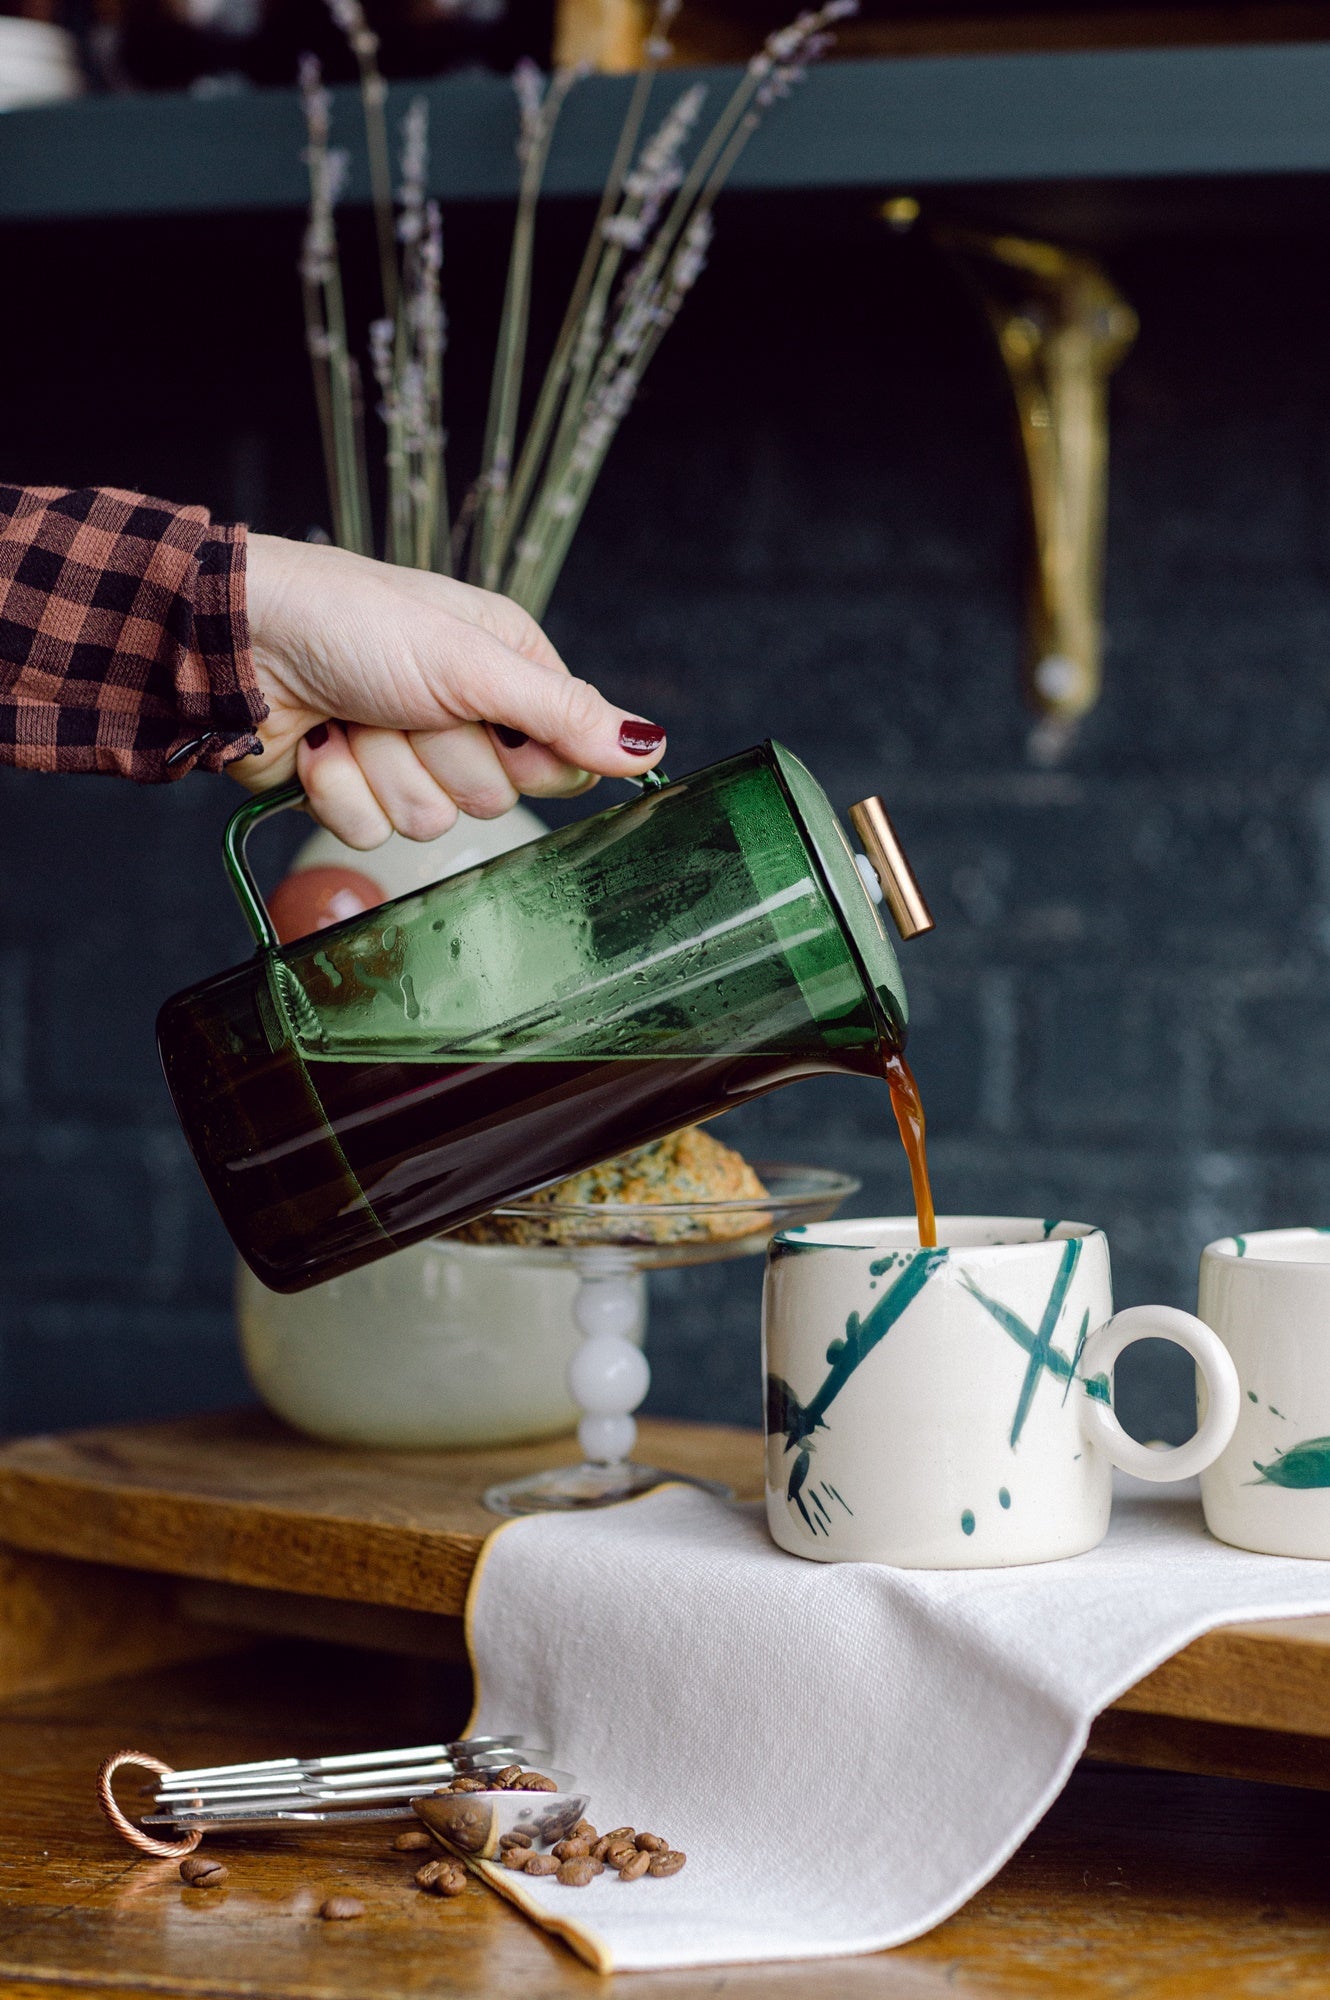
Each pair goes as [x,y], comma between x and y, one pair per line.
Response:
[124,643]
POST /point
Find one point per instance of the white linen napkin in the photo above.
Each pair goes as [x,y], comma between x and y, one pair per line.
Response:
[845,1752]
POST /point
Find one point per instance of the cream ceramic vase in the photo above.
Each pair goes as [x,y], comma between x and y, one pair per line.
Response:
[445,1344]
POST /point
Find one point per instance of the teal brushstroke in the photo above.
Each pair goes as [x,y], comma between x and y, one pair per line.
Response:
[1302,1465]
[797,1421]
[1052,1358]
[1039,1346]
[1241,1242]
[882,1264]
[1050,1224]
[1004,1498]
[967,1522]
[1081,1339]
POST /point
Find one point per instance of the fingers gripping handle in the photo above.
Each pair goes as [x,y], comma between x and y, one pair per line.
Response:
[1223,1395]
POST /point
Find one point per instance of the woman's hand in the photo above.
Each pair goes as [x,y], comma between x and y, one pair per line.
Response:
[398,697]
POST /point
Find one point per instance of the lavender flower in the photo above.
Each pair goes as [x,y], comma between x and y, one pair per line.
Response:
[415,163]
[349,16]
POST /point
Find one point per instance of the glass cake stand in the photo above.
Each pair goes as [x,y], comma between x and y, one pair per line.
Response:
[607,1244]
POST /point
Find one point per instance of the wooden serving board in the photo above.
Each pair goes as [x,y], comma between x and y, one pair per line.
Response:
[167,1541]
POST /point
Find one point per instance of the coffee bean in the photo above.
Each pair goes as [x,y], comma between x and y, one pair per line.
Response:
[635,1866]
[577,1873]
[627,1833]
[442,1878]
[507,1776]
[533,1781]
[618,1852]
[652,1843]
[585,1831]
[517,1838]
[469,1785]
[543,1864]
[515,1857]
[572,1850]
[202,1872]
[339,1909]
[668,1863]
[414,1841]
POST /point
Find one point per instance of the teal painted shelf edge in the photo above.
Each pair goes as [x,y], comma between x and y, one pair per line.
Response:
[910,122]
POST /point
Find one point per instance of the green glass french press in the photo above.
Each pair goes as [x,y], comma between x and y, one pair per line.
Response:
[391,1077]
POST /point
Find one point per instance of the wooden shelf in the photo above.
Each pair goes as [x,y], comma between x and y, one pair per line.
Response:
[171,1540]
[875,123]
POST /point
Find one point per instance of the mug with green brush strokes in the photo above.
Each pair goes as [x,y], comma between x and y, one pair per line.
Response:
[952,1408]
[1267,1296]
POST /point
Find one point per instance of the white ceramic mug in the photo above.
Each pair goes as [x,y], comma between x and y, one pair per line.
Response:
[952,1408]
[1267,1296]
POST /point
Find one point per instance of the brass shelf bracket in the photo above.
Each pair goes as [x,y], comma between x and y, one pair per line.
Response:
[1061,327]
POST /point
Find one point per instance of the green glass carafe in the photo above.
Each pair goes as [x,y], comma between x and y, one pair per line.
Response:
[391,1077]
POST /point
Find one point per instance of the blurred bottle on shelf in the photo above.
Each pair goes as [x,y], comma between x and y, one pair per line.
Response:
[212,46]
[39,57]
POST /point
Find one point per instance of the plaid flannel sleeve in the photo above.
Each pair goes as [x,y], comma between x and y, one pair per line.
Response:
[124,642]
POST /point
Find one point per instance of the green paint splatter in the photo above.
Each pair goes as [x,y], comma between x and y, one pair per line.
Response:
[881,1264]
[1050,1224]
[798,1421]
[1080,1349]
[967,1522]
[1276,1413]
[1305,1464]
[1252,1396]
[1004,1498]
[1241,1243]
[1039,1346]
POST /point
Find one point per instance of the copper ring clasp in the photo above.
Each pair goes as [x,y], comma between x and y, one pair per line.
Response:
[165,1850]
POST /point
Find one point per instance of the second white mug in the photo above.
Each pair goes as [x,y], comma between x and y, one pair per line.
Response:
[952,1408]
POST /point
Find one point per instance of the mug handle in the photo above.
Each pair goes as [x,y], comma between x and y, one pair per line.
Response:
[1223,1393]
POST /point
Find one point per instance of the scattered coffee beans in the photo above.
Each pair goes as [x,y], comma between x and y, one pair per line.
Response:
[585,1831]
[340,1909]
[668,1863]
[635,1866]
[532,1781]
[542,1864]
[470,1785]
[202,1872]
[571,1849]
[652,1843]
[414,1841]
[509,1775]
[515,1857]
[517,1838]
[442,1878]
[578,1872]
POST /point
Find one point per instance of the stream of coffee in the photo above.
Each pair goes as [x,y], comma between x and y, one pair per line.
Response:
[909,1110]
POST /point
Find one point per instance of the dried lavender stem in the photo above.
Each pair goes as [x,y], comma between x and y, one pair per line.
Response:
[556,376]
[511,355]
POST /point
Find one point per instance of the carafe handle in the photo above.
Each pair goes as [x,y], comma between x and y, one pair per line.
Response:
[235,841]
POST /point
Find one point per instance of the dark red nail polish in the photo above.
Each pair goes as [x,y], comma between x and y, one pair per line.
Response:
[317,736]
[639,739]
[511,739]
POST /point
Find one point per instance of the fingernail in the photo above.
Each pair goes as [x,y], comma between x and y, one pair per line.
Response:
[639,739]
[511,739]
[316,737]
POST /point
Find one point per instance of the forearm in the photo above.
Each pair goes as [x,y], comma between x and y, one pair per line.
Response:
[124,641]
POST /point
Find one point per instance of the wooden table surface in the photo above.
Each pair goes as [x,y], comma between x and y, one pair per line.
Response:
[143,1542]
[1138,1884]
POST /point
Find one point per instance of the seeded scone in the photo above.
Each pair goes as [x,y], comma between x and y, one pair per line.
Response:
[687,1166]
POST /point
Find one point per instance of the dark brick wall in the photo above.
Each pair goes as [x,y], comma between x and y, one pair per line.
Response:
[809,528]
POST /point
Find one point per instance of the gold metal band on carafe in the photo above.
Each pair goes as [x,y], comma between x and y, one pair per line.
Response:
[905,899]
